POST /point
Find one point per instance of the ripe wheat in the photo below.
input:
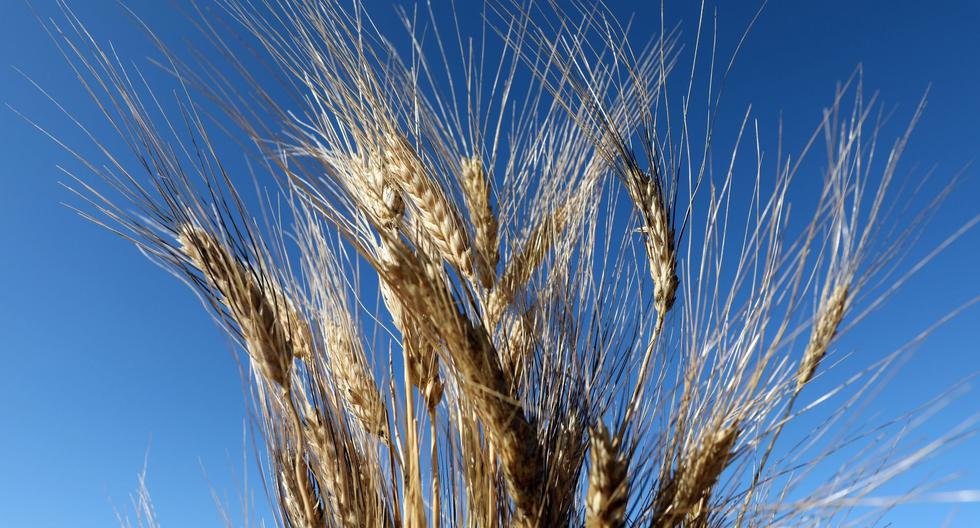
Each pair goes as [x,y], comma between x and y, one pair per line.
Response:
[452,268]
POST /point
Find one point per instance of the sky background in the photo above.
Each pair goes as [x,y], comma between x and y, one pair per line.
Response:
[108,361]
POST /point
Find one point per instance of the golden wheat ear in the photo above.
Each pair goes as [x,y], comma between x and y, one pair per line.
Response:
[476,190]
[353,375]
[272,329]
[647,193]
[829,317]
[683,499]
[608,493]
[522,265]
[436,214]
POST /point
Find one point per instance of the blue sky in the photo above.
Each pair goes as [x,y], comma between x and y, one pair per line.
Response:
[108,359]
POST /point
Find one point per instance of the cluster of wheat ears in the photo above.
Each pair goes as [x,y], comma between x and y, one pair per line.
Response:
[510,291]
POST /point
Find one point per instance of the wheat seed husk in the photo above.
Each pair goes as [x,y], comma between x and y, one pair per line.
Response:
[378,193]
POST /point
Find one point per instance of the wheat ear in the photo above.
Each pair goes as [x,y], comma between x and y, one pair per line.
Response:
[828,320]
[476,191]
[299,492]
[423,362]
[353,376]
[325,443]
[605,502]
[266,321]
[647,194]
[522,265]
[684,499]
[435,213]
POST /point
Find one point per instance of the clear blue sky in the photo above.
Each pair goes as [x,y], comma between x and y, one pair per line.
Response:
[106,358]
